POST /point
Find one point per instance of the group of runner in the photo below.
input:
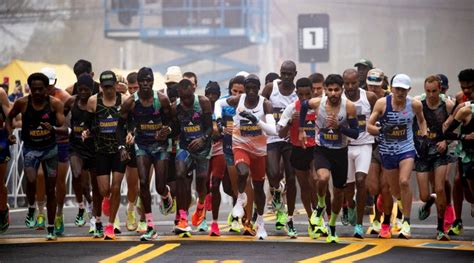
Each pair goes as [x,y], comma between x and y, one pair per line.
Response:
[356,135]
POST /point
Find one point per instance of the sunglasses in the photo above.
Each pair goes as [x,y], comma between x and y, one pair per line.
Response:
[375,79]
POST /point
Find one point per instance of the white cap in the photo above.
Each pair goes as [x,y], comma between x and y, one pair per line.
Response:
[173,74]
[242,73]
[51,74]
[401,81]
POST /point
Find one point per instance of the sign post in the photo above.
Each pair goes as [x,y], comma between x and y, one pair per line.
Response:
[313,39]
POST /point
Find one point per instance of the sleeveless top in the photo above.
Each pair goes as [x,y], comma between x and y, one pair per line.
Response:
[148,121]
[330,138]
[32,133]
[434,121]
[78,120]
[309,128]
[400,139]
[363,111]
[279,103]
[465,149]
[246,135]
[190,124]
[106,121]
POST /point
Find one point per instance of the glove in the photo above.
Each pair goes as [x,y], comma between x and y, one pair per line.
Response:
[384,128]
[249,116]
[220,125]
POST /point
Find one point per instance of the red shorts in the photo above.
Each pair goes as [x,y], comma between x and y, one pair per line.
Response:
[256,163]
[217,166]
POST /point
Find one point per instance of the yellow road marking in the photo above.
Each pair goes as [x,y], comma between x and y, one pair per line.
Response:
[154,253]
[345,250]
[127,253]
[206,261]
[366,254]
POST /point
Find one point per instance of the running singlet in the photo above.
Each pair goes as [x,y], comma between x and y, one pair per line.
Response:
[190,123]
[399,138]
[228,113]
[246,135]
[309,127]
[466,147]
[106,121]
[434,121]
[78,121]
[279,103]
[32,133]
[331,138]
[148,121]
[363,111]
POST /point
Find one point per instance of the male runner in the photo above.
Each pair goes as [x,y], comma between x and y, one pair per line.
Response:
[4,158]
[317,80]
[81,67]
[40,114]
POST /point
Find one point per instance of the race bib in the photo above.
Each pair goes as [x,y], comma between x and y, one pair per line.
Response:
[330,138]
[361,120]
[248,129]
[277,114]
[397,133]
[108,125]
[310,128]
[192,131]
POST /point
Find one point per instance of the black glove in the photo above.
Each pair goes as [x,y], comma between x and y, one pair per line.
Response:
[249,116]
[220,125]
[384,128]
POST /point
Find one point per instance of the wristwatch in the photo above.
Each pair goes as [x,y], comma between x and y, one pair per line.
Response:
[121,147]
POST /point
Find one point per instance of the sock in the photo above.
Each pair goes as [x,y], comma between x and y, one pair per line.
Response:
[131,206]
[386,219]
[332,220]
[183,214]
[31,210]
[344,209]
[430,202]
[149,219]
[50,228]
[149,228]
[41,207]
[440,224]
[457,222]
[399,213]
[333,230]
[322,201]
[81,205]
[406,219]
[81,211]
[319,210]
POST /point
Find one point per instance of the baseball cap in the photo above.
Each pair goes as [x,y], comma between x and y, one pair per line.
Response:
[86,80]
[401,81]
[242,73]
[213,87]
[108,78]
[50,73]
[444,81]
[375,77]
[364,62]
[144,73]
[173,74]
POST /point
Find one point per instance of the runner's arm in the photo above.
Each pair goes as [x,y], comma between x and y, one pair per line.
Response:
[285,119]
[418,110]
[269,126]
[376,113]
[353,130]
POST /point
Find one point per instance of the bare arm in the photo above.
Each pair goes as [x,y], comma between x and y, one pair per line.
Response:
[267,90]
[372,98]
[378,111]
[418,110]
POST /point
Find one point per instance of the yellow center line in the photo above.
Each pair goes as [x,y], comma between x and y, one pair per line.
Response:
[127,253]
[366,254]
[154,253]
[345,250]
[206,261]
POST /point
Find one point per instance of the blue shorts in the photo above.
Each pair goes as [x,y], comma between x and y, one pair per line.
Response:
[153,151]
[63,152]
[201,164]
[48,156]
[391,162]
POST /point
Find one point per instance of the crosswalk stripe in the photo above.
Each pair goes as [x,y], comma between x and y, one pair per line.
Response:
[366,254]
[127,253]
[154,253]
[345,250]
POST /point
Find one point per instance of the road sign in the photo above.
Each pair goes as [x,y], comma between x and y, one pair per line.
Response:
[313,38]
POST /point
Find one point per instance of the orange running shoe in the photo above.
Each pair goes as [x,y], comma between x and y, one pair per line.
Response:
[198,215]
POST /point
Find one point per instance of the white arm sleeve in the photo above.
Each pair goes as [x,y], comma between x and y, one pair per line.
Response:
[286,115]
[218,107]
[269,126]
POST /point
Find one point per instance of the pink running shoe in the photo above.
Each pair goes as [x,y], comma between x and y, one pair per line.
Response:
[214,230]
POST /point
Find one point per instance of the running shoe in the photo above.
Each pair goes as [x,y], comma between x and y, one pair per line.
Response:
[313,218]
[235,226]
[142,227]
[277,203]
[99,230]
[203,226]
[332,238]
[456,229]
[358,231]
[5,220]
[150,235]
[59,225]
[166,205]
[345,217]
[92,225]
[424,212]
[312,232]
[230,218]
[131,222]
[106,206]
[320,226]
[442,236]
[249,229]
[405,232]
[199,215]
[117,229]
[281,218]
[385,231]
[182,225]
[139,206]
[352,216]
[448,217]
[109,233]
[214,230]
[208,202]
[397,226]
[173,207]
[375,227]
[291,229]
[80,218]
[40,223]
[238,209]
[30,218]
[261,232]
[51,235]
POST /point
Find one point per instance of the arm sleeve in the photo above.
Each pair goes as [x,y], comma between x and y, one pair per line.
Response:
[353,130]
[218,107]
[286,115]
[269,126]
[303,112]
[449,133]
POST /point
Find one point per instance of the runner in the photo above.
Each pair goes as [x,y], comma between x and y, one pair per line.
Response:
[251,125]
[193,113]
[149,111]
[81,67]
[363,67]
[4,158]
[281,93]
[41,113]
[317,80]
[336,121]
[359,150]
[397,151]
[300,158]
[436,111]
[103,120]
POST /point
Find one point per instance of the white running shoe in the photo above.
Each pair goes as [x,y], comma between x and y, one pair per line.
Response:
[238,209]
[261,232]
